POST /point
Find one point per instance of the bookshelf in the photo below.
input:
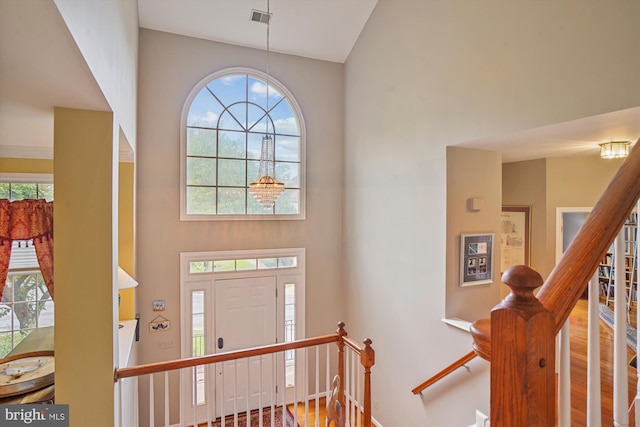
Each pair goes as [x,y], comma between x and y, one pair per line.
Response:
[606,270]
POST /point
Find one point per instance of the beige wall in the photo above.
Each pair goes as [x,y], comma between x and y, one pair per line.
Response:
[472,174]
[425,75]
[525,184]
[106,32]
[548,184]
[171,66]
[574,182]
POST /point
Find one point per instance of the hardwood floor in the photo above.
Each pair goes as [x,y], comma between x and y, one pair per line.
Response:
[578,326]
[322,412]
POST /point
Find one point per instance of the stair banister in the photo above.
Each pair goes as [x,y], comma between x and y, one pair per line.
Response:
[558,296]
[443,373]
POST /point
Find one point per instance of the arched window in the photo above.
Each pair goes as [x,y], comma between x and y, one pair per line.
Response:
[223,122]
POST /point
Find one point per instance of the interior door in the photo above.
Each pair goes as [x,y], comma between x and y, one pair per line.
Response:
[245,316]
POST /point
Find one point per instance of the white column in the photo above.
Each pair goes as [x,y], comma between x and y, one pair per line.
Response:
[594,412]
[620,381]
[564,378]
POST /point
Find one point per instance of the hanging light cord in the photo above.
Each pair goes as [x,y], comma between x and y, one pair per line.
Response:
[268,36]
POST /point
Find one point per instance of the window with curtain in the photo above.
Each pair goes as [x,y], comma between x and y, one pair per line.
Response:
[26,302]
[224,120]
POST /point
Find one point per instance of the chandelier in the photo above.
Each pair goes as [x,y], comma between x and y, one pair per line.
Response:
[266,189]
[614,149]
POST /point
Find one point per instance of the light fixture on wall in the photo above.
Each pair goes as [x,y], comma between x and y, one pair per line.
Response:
[614,149]
[266,189]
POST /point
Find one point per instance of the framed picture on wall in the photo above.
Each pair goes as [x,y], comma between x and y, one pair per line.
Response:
[476,259]
[514,238]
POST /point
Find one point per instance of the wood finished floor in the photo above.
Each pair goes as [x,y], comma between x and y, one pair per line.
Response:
[578,327]
[578,322]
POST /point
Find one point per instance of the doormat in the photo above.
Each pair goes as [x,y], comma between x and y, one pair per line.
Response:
[606,314]
[255,419]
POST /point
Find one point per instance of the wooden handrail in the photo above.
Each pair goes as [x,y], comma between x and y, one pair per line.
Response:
[568,280]
[366,355]
[519,338]
[190,362]
[446,371]
[352,345]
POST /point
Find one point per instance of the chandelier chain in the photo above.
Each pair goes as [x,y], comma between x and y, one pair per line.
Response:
[267,189]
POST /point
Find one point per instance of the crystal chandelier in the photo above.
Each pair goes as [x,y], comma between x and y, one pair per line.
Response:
[267,189]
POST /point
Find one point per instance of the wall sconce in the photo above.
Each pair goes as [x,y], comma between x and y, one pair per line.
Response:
[614,149]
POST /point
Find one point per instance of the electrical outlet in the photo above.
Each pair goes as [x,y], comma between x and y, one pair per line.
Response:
[165,343]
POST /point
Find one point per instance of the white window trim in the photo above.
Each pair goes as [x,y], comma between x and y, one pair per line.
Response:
[183,153]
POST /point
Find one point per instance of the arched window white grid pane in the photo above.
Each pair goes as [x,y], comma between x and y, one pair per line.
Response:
[223,121]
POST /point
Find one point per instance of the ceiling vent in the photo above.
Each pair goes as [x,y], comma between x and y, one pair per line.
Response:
[260,16]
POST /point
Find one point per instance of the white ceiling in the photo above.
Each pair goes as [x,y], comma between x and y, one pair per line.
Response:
[574,138]
[33,33]
[320,29]
[40,68]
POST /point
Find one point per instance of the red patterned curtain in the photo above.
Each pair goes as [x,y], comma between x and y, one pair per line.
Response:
[25,220]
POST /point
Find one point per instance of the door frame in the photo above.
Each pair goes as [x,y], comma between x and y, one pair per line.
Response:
[560,226]
[190,282]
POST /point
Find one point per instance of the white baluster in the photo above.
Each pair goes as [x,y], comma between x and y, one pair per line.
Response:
[328,372]
[360,391]
[594,413]
[317,423]
[272,394]
[152,422]
[119,387]
[221,393]
[637,253]
[564,377]
[209,391]
[259,395]
[345,387]
[620,391]
[295,388]
[235,392]
[354,370]
[195,395]
[305,388]
[248,392]
[166,398]
[283,389]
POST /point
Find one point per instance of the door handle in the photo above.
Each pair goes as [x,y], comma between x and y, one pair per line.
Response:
[220,343]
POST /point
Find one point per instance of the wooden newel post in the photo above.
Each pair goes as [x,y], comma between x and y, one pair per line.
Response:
[367,359]
[341,334]
[522,355]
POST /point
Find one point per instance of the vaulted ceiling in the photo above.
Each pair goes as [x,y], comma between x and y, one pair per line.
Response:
[33,34]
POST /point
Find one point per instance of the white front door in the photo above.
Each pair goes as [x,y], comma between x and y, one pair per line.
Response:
[245,317]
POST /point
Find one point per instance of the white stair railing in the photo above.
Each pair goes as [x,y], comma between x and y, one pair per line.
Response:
[255,385]
[622,304]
